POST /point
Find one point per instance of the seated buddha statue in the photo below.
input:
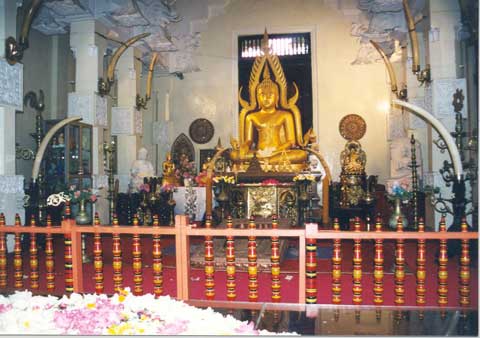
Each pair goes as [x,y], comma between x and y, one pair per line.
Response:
[272,132]
[168,174]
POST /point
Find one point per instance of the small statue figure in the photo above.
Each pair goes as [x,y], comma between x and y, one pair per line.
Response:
[140,169]
[168,175]
[353,159]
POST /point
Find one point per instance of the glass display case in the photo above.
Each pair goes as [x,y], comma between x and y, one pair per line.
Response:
[68,159]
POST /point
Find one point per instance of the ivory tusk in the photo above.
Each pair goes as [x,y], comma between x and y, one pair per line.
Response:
[388,64]
[413,37]
[150,75]
[28,21]
[440,128]
[118,53]
[45,141]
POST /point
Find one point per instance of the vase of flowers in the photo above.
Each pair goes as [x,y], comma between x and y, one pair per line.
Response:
[185,172]
[81,197]
[398,195]
[222,191]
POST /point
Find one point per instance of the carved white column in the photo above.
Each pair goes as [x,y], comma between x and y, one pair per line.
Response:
[127,121]
[444,17]
[89,49]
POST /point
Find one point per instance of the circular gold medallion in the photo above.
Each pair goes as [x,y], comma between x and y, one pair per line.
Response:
[352,127]
[201,131]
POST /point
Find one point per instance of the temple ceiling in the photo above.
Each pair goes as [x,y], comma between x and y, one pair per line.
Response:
[176,26]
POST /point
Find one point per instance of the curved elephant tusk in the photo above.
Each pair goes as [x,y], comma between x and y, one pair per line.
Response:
[45,141]
[440,128]
[150,75]
[27,22]
[388,64]
[413,37]
[118,53]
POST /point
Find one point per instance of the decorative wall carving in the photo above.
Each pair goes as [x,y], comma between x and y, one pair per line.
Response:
[127,18]
[182,145]
[81,105]
[11,196]
[123,121]
[138,122]
[443,90]
[11,84]
[11,184]
[396,126]
[101,118]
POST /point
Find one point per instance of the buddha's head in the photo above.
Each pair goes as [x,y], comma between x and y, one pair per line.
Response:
[142,153]
[267,91]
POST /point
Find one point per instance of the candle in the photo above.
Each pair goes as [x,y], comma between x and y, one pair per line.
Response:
[440,128]
[167,106]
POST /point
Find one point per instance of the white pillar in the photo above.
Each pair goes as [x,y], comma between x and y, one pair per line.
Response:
[11,99]
[89,49]
[126,119]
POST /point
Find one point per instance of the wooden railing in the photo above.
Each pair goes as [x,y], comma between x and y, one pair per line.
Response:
[182,231]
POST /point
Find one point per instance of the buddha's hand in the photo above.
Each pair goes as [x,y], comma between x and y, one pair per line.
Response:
[244,148]
[267,152]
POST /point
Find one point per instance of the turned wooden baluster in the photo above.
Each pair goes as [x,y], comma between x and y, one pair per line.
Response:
[67,212]
[464,289]
[230,258]
[137,261]
[311,271]
[275,263]
[421,270]
[209,263]
[49,260]
[336,266]
[443,268]
[378,268]
[3,254]
[34,276]
[97,257]
[117,258]
[17,257]
[400,267]
[252,264]
[357,266]
[157,266]
[68,264]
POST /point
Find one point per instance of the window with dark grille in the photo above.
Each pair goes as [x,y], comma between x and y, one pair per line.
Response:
[294,52]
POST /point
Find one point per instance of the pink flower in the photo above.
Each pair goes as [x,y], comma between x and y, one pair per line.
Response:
[245,328]
[93,198]
[174,328]
[76,194]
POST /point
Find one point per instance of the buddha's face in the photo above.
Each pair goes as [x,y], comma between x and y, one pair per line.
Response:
[267,97]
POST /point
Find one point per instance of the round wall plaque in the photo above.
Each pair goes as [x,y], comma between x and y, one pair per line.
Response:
[352,127]
[201,131]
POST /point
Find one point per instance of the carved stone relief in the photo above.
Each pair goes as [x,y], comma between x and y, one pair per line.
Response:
[101,118]
[11,84]
[138,122]
[81,105]
[443,90]
[123,121]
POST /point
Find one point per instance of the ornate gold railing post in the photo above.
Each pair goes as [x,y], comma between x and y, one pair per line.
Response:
[68,264]
[34,276]
[98,258]
[17,257]
[252,263]
[400,267]
[421,271]
[209,263]
[117,258]
[137,260]
[443,267]
[49,259]
[336,266]
[378,273]
[3,254]
[357,266]
[230,258]
[464,289]
[275,263]
[157,266]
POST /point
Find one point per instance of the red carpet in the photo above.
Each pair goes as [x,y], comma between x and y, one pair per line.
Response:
[289,279]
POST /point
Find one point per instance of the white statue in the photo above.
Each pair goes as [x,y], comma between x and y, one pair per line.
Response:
[140,169]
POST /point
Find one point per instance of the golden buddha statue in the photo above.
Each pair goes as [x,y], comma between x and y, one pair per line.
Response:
[278,131]
[353,159]
[168,174]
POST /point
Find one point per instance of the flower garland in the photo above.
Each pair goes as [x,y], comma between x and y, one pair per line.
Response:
[120,314]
